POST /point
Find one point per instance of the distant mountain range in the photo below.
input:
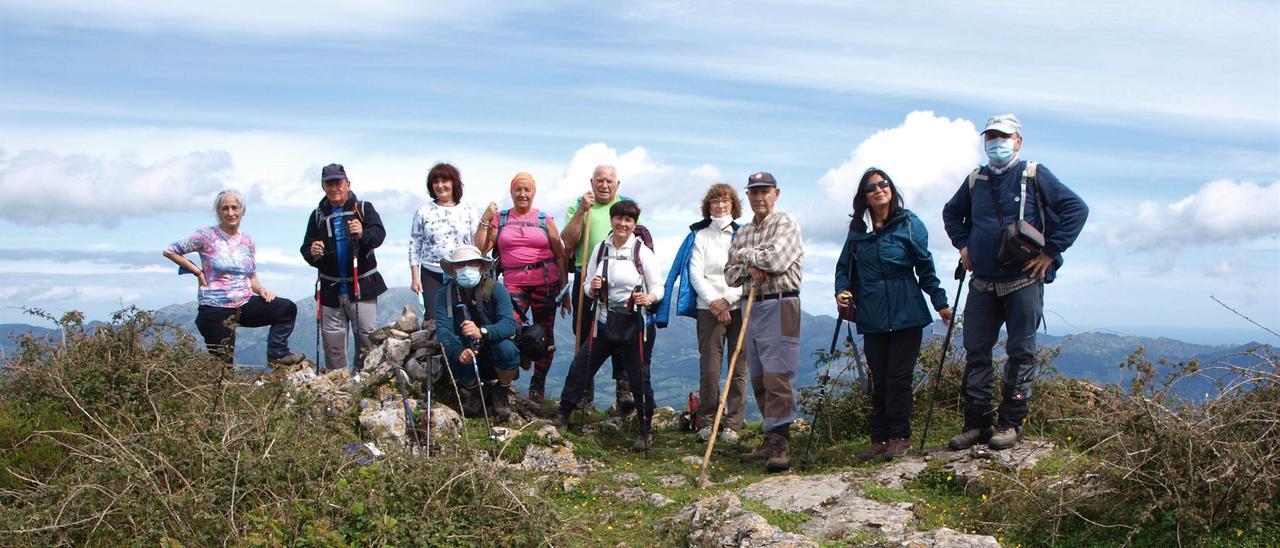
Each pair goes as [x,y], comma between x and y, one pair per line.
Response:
[1091,355]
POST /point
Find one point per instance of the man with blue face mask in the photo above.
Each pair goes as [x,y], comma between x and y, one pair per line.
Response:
[474,324]
[1004,290]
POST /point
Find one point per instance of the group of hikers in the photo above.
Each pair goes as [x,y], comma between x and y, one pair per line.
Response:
[486,275]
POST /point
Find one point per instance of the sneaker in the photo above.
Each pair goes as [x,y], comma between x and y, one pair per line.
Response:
[704,434]
[538,388]
[780,458]
[897,448]
[286,360]
[728,435]
[970,438]
[874,450]
[626,401]
[1005,438]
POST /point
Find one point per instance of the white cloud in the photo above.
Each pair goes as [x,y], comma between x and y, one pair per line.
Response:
[662,190]
[46,188]
[927,156]
[1221,212]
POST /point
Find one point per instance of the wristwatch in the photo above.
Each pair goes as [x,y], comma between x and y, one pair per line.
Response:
[484,332]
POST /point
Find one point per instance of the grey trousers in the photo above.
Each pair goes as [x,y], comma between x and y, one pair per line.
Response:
[334,322]
[712,338]
[772,350]
[984,312]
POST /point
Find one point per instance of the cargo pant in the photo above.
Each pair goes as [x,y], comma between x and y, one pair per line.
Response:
[984,313]
[334,322]
[772,349]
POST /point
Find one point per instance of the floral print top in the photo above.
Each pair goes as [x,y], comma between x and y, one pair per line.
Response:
[227,262]
[437,229]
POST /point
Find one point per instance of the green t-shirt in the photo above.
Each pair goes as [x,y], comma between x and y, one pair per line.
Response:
[601,226]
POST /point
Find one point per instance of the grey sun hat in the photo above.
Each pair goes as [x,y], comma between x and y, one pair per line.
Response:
[463,254]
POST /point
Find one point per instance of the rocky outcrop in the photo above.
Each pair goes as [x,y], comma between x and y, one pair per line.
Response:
[721,521]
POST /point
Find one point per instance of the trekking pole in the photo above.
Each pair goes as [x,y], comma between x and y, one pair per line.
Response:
[703,482]
[402,379]
[355,284]
[822,392]
[946,343]
[431,379]
[863,372]
[582,283]
[318,306]
[475,366]
[644,373]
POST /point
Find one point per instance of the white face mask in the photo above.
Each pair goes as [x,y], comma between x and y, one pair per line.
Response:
[721,222]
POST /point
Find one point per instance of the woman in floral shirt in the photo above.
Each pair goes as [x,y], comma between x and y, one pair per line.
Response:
[439,226]
[229,293]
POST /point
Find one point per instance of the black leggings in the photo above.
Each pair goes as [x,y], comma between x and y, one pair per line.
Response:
[626,359]
[217,325]
[431,284]
[892,360]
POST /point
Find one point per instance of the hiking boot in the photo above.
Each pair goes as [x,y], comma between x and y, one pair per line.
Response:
[561,422]
[728,435]
[874,450]
[970,438]
[538,388]
[1005,438]
[644,440]
[286,360]
[759,453]
[704,434]
[502,402]
[472,404]
[897,448]
[626,401]
[780,457]
[588,399]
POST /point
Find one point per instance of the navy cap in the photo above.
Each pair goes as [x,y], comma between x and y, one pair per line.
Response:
[333,172]
[761,179]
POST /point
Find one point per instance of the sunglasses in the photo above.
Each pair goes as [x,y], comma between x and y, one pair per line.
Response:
[871,187]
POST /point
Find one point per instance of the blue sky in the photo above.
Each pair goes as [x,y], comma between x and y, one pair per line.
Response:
[119,121]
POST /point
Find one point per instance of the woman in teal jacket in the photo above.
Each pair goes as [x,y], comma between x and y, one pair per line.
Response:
[883,269]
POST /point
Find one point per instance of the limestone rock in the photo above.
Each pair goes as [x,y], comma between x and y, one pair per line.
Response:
[664,417]
[559,458]
[899,472]
[549,433]
[570,484]
[835,503]
[658,500]
[626,477]
[673,480]
[798,493]
[445,422]
[395,352]
[945,537]
[692,460]
[632,494]
[331,389]
[422,339]
[408,321]
[397,334]
[721,521]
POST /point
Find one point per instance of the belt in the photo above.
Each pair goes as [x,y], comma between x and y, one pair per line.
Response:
[348,279]
[772,296]
[530,266]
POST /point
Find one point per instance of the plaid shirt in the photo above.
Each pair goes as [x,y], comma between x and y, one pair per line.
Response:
[773,246]
[1002,288]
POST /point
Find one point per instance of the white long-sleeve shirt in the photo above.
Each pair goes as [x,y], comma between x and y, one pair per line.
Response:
[706,267]
[623,276]
[437,229]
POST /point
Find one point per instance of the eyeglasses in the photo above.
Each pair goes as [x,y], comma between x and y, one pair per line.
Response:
[871,187]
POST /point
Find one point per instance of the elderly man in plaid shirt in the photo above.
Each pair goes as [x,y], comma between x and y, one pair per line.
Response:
[768,255]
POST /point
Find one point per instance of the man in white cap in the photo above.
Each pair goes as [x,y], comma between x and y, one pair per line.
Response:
[474,324]
[1008,284]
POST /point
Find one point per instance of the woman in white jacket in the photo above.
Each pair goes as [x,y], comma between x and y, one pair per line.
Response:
[719,316]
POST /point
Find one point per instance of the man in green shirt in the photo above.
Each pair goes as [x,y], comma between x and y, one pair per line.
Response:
[584,229]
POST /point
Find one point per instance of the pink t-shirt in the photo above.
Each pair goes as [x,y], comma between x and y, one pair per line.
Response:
[522,242]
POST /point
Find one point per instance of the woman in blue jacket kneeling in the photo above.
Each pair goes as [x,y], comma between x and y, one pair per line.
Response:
[883,269]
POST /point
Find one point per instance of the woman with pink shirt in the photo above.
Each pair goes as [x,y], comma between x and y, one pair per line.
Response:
[530,257]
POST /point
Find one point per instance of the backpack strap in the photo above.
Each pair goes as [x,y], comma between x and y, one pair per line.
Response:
[975,176]
[635,258]
[1029,175]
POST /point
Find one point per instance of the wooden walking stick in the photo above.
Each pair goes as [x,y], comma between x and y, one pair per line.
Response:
[703,482]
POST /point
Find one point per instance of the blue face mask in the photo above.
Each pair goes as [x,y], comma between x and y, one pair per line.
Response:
[1000,151]
[468,276]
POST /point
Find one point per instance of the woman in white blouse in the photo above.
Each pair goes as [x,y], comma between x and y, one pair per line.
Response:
[439,226]
[627,280]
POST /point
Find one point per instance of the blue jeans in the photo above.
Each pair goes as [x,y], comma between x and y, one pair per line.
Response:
[500,355]
[1020,312]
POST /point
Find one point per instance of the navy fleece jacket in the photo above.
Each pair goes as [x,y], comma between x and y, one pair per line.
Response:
[971,219]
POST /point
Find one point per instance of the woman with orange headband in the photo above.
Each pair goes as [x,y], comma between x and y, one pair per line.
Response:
[530,257]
